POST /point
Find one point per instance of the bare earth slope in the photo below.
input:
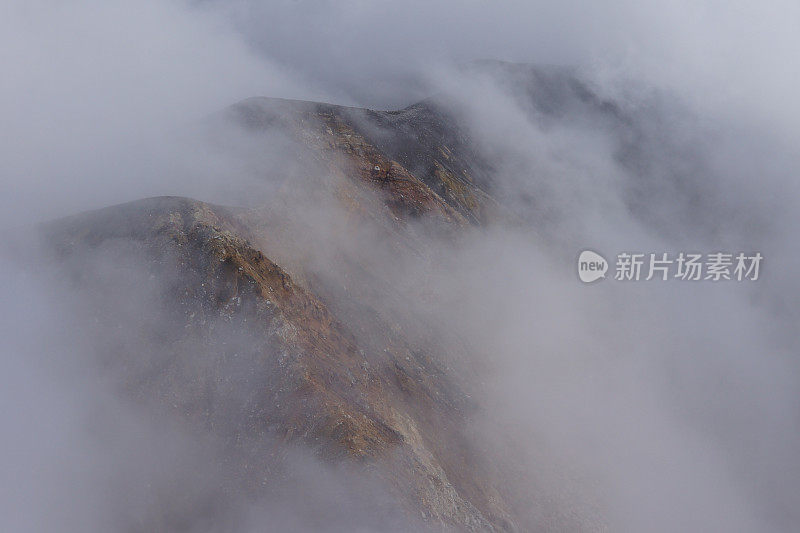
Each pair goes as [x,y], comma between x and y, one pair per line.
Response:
[306,378]
[256,344]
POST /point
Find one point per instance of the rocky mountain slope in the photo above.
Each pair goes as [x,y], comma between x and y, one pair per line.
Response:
[306,377]
[249,339]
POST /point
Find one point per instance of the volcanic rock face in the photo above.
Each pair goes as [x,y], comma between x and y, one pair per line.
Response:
[255,343]
[288,369]
[334,136]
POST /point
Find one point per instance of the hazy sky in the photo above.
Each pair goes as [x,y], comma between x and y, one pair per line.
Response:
[681,403]
[86,84]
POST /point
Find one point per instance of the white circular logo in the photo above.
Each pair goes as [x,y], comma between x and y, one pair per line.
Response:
[591,266]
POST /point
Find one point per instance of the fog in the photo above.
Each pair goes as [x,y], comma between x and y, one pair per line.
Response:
[649,406]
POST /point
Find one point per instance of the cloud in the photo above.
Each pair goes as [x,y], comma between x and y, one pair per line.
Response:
[646,407]
[96,95]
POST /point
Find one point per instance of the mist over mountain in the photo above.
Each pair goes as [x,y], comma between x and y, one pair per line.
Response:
[295,267]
